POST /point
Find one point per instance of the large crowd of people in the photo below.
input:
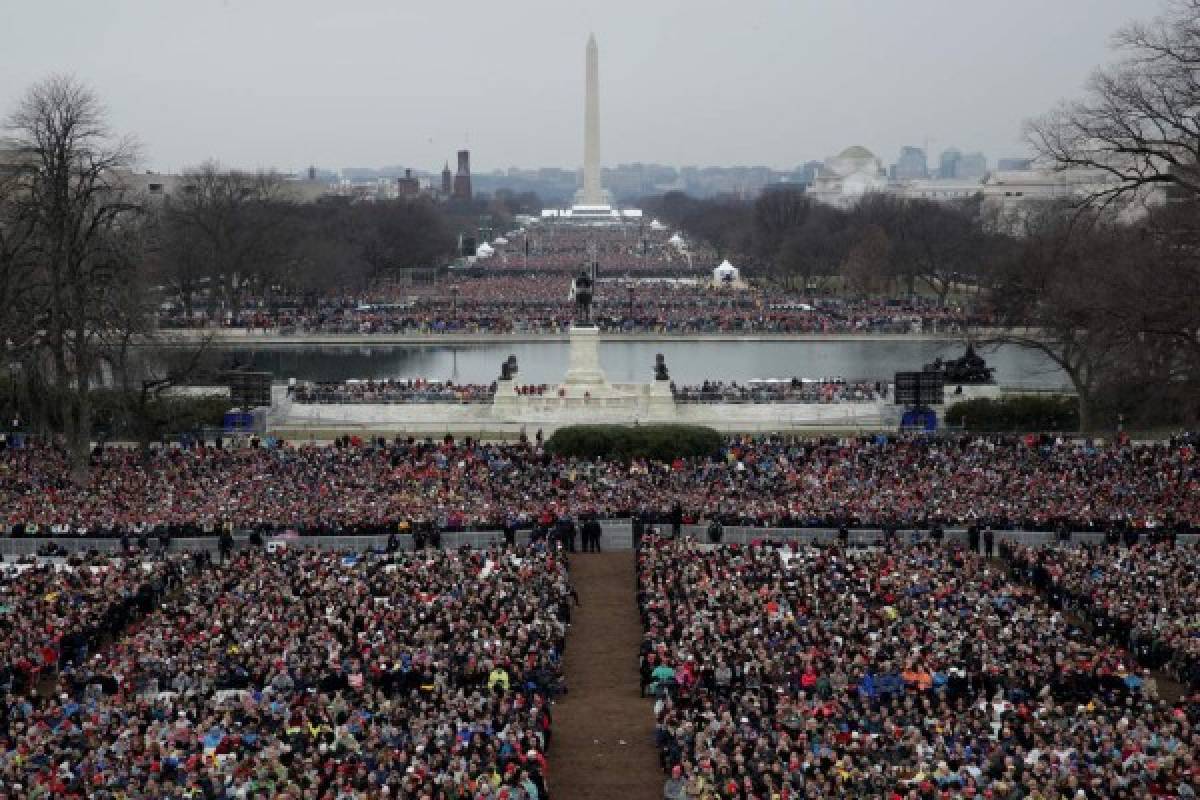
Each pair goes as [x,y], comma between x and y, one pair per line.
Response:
[1145,596]
[1037,483]
[300,673]
[647,282]
[419,390]
[623,249]
[391,391]
[796,390]
[539,303]
[655,309]
[919,672]
[54,615]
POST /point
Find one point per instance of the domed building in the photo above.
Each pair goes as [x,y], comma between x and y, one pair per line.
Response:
[846,177]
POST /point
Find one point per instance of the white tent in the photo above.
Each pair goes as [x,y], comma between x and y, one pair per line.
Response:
[676,240]
[484,251]
[500,240]
[655,225]
[726,273]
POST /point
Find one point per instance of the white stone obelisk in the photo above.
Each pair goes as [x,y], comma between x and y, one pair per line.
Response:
[593,194]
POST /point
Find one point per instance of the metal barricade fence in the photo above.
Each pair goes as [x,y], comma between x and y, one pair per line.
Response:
[617,535]
[735,534]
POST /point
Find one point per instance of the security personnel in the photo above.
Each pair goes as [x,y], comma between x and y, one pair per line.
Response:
[591,534]
[639,529]
[566,531]
[225,543]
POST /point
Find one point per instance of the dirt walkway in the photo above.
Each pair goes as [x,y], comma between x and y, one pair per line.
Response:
[603,731]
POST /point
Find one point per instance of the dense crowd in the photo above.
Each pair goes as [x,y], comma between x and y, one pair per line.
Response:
[870,481]
[919,672]
[624,249]
[419,390]
[1145,597]
[54,615]
[299,673]
[541,304]
[648,282]
[796,390]
[414,390]
[778,673]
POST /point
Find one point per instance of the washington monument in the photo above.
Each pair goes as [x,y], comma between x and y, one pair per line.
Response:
[592,194]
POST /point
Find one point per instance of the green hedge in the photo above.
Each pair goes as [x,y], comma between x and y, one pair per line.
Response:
[1017,413]
[661,442]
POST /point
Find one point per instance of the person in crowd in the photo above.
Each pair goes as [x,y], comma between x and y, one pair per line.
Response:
[675,788]
[716,531]
[225,544]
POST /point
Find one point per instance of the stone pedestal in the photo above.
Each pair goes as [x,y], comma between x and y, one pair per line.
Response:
[506,394]
[583,366]
[659,401]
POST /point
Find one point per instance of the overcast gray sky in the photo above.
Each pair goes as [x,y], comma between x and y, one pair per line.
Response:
[337,83]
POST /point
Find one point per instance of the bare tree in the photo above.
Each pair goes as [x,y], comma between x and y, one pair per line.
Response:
[1136,133]
[179,260]
[1138,125]
[940,244]
[1057,295]
[811,255]
[403,233]
[778,212]
[724,223]
[18,320]
[866,268]
[1163,287]
[890,214]
[70,198]
[228,226]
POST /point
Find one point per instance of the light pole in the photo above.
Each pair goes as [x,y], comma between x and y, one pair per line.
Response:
[630,290]
[454,301]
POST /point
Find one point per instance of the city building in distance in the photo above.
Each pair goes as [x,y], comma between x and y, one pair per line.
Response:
[912,164]
[844,179]
[462,178]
